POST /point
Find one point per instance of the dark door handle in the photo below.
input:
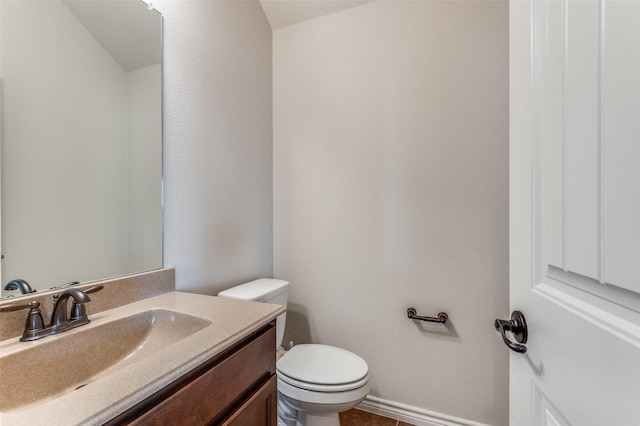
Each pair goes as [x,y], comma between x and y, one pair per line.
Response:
[518,328]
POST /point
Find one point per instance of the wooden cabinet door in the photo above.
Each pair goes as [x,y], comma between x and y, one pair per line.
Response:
[259,409]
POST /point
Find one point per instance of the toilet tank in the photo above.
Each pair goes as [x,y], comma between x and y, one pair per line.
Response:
[266,290]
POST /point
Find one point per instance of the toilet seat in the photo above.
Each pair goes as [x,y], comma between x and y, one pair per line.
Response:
[323,388]
[322,368]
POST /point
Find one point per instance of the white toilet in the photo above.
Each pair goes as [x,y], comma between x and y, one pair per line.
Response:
[315,382]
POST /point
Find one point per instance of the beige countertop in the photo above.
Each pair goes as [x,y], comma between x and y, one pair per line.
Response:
[111,394]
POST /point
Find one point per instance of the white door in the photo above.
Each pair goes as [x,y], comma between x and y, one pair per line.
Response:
[575,211]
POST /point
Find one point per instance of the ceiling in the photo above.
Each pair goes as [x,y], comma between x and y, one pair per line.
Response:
[281,13]
[128,30]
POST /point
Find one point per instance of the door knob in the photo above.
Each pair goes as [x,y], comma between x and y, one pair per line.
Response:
[518,328]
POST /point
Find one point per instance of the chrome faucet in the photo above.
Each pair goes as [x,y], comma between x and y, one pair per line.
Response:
[60,321]
[19,284]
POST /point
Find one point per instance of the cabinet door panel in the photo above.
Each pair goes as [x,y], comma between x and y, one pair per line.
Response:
[259,409]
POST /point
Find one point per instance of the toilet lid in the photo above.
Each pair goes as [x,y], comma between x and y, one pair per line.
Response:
[322,366]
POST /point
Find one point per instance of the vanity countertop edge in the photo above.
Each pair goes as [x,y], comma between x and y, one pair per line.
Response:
[99,401]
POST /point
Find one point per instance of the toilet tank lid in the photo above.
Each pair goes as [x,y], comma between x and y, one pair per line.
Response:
[258,290]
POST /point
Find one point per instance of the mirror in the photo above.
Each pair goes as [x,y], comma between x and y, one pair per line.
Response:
[81,140]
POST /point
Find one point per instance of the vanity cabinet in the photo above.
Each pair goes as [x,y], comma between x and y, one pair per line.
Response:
[236,387]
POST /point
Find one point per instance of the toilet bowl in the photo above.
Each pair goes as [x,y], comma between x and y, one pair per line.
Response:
[315,382]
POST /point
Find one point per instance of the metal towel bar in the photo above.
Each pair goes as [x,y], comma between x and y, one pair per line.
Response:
[441,318]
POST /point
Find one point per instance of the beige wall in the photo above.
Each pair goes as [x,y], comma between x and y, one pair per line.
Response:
[217,143]
[390,191]
[390,181]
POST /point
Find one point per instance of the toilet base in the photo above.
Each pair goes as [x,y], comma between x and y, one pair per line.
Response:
[318,419]
[307,419]
[292,412]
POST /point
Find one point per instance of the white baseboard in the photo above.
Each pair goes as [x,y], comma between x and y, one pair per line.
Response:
[410,414]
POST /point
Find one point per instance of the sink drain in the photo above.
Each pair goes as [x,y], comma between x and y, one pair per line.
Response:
[81,386]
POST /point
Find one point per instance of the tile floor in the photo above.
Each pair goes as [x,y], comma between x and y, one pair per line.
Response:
[362,418]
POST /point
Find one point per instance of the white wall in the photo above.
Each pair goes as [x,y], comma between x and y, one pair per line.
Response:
[390,191]
[218,132]
[63,182]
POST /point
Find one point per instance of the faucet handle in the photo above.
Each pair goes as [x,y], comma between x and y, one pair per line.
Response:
[78,311]
[11,308]
[34,322]
[93,289]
